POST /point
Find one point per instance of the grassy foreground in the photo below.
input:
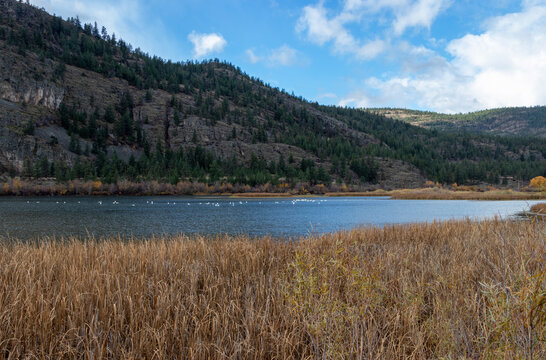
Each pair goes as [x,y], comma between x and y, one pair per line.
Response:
[452,290]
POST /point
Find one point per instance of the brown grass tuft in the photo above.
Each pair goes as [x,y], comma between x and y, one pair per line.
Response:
[444,290]
[539,208]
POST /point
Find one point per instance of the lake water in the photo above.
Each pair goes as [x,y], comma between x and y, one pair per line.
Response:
[25,218]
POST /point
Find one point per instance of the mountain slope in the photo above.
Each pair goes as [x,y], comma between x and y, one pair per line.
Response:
[76,102]
[526,121]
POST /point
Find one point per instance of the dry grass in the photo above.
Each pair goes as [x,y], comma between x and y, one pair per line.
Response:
[539,208]
[453,290]
[443,194]
[360,193]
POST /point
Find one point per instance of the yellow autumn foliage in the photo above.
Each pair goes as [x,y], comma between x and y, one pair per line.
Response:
[539,183]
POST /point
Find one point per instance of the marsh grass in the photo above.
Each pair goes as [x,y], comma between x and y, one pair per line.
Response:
[444,194]
[451,290]
[539,208]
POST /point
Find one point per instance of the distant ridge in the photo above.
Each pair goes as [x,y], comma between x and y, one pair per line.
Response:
[519,121]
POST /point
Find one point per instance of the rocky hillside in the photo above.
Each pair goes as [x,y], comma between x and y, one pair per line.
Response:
[76,102]
[518,121]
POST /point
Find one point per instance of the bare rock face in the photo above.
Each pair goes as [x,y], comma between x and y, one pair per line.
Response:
[16,149]
[40,93]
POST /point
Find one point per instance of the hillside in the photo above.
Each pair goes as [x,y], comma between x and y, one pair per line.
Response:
[526,121]
[75,102]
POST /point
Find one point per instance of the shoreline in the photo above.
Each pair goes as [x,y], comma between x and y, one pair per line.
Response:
[399,194]
[49,187]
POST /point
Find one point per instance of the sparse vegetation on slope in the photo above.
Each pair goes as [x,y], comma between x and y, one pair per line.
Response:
[444,290]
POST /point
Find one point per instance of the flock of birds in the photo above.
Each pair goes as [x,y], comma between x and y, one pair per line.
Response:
[208,203]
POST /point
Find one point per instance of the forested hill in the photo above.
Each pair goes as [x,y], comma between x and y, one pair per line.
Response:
[76,102]
[526,121]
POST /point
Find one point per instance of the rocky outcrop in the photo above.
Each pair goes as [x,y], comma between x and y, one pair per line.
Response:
[16,149]
[37,93]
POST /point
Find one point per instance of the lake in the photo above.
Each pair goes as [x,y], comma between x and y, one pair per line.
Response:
[26,218]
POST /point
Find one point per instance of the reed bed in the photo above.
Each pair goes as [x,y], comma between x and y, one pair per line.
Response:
[539,208]
[443,194]
[360,193]
[451,290]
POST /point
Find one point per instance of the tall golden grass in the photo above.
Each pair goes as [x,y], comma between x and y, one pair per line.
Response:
[452,290]
[538,208]
[444,194]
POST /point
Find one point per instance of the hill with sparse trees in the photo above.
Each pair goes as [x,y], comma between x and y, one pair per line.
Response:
[79,103]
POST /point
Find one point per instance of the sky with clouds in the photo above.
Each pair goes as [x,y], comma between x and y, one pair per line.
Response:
[441,55]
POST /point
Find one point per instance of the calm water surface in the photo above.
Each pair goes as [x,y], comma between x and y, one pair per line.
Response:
[25,218]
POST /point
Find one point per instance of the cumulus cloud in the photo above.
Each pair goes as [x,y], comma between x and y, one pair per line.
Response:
[320,28]
[503,66]
[406,13]
[417,14]
[282,56]
[206,44]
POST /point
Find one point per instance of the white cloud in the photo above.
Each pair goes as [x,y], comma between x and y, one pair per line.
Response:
[206,44]
[285,56]
[252,57]
[503,66]
[420,13]
[282,56]
[320,28]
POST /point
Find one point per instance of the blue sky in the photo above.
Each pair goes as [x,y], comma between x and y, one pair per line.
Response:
[441,55]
